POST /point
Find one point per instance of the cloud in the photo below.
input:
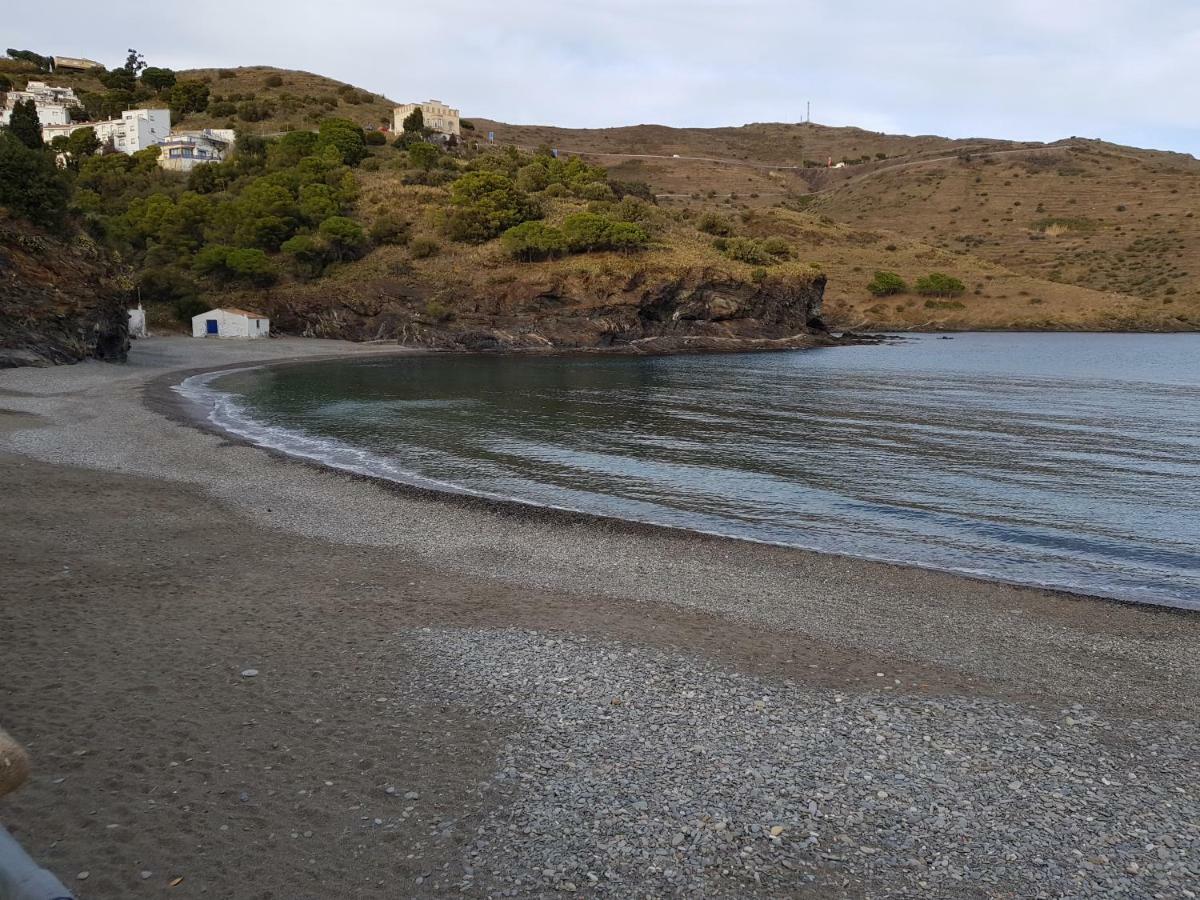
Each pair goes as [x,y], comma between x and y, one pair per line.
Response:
[1025,69]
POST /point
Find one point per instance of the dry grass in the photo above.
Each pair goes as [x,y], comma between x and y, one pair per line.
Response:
[1078,234]
[314,97]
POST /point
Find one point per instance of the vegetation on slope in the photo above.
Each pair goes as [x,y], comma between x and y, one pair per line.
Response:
[975,233]
[1025,226]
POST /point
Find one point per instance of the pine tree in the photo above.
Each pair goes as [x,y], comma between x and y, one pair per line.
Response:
[414,122]
[24,124]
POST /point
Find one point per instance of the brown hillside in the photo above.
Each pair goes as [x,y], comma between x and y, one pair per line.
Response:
[302,100]
[1118,221]
[1075,234]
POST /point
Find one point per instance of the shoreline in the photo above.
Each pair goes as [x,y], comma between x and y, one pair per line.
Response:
[451,699]
[162,395]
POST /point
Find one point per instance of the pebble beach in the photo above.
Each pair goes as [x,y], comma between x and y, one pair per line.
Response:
[269,679]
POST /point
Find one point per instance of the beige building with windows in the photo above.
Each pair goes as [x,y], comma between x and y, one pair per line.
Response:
[438,117]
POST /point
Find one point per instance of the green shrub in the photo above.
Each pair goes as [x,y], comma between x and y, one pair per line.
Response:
[251,266]
[273,81]
[777,247]
[627,237]
[945,304]
[224,264]
[253,111]
[424,247]
[187,97]
[758,275]
[938,284]
[210,261]
[307,254]
[885,284]
[745,250]
[345,237]
[632,209]
[166,285]
[438,311]
[594,190]
[716,225]
[532,241]
[484,204]
[376,138]
[188,307]
[390,228]
[423,155]
[586,231]
[31,185]
[222,109]
[344,135]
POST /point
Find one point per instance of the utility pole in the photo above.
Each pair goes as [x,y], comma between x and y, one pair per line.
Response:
[808,112]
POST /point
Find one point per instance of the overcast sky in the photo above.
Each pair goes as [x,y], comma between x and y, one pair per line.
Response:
[1025,69]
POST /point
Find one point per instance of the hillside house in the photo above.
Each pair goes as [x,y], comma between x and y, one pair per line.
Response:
[231,323]
[184,150]
[53,104]
[136,130]
[438,117]
[75,64]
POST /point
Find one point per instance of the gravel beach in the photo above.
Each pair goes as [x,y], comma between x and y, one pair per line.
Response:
[274,680]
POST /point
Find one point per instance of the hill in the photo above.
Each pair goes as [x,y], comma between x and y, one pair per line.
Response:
[715,237]
[1021,223]
[286,99]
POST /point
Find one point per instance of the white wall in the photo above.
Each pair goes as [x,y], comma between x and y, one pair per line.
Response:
[136,130]
[230,325]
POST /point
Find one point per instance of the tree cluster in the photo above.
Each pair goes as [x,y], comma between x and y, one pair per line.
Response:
[582,232]
[754,251]
[43,63]
[938,284]
[887,284]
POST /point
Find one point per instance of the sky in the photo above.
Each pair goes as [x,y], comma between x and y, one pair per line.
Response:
[1020,69]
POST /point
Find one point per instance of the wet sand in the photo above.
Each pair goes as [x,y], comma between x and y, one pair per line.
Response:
[147,564]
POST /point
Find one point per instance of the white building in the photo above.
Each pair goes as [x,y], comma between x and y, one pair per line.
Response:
[184,150]
[437,115]
[136,130]
[137,322]
[53,103]
[230,323]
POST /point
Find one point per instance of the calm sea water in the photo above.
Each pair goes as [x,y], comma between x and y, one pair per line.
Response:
[1065,460]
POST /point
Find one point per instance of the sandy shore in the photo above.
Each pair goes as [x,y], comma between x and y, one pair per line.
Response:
[407,643]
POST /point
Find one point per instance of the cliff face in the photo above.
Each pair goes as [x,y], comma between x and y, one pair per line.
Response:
[697,309]
[60,299]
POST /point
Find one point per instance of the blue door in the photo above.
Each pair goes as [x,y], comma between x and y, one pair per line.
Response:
[210,326]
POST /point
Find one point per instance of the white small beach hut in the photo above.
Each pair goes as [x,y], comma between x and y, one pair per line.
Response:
[230,323]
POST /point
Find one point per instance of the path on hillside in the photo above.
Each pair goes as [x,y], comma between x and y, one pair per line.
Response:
[900,164]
